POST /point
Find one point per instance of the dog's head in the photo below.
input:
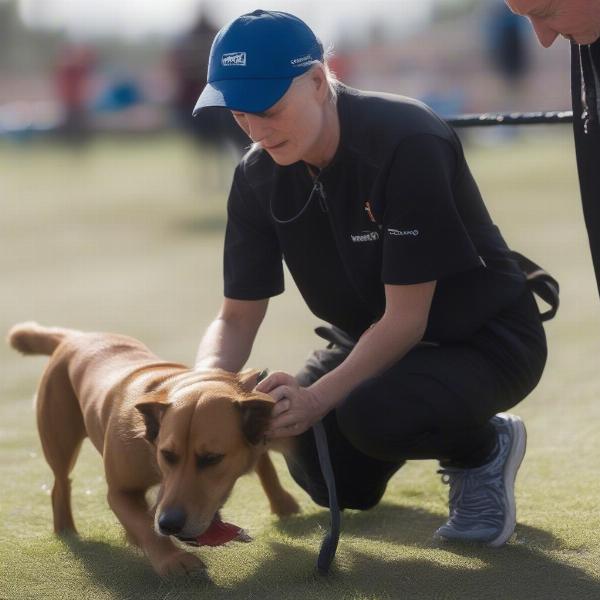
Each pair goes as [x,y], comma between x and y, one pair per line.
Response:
[207,430]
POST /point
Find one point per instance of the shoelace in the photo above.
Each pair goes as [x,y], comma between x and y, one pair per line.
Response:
[474,500]
[476,495]
[453,478]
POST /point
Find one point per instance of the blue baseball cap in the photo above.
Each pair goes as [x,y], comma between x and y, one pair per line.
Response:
[254,58]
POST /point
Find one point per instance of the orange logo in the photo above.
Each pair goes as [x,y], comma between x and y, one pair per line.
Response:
[370,212]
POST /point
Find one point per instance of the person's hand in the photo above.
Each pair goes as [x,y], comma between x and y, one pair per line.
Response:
[296,408]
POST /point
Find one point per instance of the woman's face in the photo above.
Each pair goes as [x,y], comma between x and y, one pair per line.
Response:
[293,128]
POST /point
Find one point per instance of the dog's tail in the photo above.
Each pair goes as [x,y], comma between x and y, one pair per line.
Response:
[31,338]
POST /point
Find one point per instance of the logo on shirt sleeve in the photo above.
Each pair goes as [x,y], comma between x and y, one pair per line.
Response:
[400,232]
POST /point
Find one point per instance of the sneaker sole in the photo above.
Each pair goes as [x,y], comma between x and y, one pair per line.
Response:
[515,457]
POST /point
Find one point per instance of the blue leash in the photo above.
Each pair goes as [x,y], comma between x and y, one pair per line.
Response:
[330,541]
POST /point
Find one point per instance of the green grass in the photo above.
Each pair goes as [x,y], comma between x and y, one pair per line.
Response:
[127,236]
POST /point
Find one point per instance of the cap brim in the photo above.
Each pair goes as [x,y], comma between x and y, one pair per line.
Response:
[245,95]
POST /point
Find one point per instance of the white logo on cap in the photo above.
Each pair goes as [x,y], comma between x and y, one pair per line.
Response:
[301,61]
[234,59]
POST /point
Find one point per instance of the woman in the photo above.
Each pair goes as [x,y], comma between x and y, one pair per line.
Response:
[369,200]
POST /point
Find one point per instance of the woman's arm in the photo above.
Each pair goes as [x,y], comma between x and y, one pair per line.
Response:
[384,343]
[401,327]
[228,340]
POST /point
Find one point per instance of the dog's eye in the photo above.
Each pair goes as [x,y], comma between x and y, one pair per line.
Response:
[208,460]
[170,457]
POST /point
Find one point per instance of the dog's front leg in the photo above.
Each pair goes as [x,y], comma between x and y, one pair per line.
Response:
[167,559]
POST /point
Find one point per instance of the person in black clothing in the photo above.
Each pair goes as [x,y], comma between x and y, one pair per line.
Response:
[579,21]
[370,202]
[585,91]
[188,61]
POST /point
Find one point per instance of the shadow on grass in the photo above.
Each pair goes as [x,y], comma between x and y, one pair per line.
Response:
[126,572]
[521,570]
[402,524]
[511,573]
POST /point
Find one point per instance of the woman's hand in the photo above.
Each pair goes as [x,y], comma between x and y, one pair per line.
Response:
[296,408]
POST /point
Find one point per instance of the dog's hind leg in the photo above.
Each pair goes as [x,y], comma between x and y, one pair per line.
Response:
[62,430]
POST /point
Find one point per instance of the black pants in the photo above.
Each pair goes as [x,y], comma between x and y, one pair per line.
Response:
[435,403]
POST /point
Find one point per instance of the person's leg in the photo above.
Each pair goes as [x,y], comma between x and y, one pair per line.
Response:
[437,401]
[410,412]
[443,413]
[440,402]
[360,480]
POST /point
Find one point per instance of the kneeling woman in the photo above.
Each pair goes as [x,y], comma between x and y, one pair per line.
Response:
[368,199]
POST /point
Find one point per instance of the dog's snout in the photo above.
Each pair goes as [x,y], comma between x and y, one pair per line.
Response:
[172,520]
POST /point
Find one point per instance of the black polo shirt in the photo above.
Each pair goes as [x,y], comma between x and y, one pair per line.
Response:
[396,205]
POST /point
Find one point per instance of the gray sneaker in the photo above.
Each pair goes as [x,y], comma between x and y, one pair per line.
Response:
[482,500]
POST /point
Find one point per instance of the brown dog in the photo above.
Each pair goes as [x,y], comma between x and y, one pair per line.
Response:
[154,422]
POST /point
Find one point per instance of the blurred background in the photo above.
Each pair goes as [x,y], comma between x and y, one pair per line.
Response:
[105,175]
[75,69]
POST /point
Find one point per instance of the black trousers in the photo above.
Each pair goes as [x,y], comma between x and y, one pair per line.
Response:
[435,403]
[585,68]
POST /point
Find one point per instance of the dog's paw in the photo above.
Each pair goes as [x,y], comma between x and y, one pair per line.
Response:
[179,563]
[285,505]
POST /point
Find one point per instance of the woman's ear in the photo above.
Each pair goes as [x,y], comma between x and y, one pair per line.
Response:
[319,81]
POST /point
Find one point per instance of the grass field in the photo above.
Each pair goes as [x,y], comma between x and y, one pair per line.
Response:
[127,235]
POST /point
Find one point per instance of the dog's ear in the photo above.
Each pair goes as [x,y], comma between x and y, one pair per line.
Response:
[255,414]
[249,378]
[152,406]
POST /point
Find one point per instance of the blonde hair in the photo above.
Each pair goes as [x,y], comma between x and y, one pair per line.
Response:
[330,77]
[332,80]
